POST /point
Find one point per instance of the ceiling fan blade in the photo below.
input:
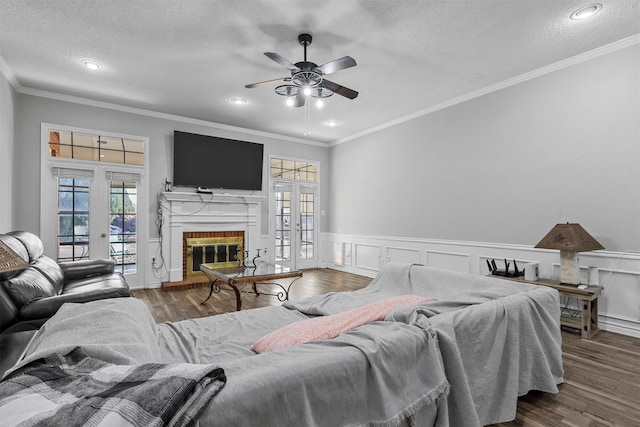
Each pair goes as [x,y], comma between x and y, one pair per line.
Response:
[280,60]
[298,101]
[337,65]
[281,79]
[339,89]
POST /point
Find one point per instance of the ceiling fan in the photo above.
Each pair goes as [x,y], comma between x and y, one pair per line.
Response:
[307,78]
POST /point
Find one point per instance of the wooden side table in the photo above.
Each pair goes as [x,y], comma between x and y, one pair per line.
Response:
[587,322]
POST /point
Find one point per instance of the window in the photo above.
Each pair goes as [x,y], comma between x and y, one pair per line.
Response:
[73,219]
[123,220]
[283,225]
[83,146]
[294,170]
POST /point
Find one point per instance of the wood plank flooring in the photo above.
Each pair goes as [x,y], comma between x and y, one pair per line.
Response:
[602,375]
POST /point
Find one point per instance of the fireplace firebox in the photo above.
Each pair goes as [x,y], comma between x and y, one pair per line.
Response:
[220,248]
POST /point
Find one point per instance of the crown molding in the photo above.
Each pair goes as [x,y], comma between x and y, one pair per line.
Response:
[8,74]
[156,114]
[565,63]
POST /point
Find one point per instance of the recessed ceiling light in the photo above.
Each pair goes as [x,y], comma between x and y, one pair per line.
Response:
[585,12]
[92,65]
[332,122]
[238,101]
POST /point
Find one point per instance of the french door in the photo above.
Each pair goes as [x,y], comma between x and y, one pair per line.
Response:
[294,224]
[93,209]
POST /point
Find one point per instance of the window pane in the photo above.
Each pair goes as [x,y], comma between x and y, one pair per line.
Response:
[82,146]
[111,156]
[85,153]
[134,159]
[111,143]
[133,146]
[84,140]
[81,201]
[293,170]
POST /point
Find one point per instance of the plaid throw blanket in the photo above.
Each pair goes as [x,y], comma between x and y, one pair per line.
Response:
[76,389]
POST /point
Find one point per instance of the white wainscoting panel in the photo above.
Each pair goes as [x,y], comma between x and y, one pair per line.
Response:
[367,256]
[448,261]
[619,273]
[404,255]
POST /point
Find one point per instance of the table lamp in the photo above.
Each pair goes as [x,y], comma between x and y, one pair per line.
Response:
[9,260]
[569,239]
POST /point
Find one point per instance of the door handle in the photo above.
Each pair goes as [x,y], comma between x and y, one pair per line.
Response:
[103,235]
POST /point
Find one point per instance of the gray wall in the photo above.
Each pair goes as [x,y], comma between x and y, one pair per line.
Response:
[504,167]
[34,110]
[8,98]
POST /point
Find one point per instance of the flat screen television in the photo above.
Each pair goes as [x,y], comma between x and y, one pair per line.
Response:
[212,162]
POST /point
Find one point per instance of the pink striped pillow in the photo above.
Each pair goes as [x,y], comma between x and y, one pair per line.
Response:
[327,327]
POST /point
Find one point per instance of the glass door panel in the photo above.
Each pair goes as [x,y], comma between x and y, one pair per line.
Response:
[307,231]
[294,225]
[282,227]
[73,219]
[123,231]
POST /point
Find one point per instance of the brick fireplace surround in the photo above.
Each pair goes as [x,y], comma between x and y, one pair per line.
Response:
[193,213]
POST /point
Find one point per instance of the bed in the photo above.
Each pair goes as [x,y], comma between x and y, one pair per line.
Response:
[458,351]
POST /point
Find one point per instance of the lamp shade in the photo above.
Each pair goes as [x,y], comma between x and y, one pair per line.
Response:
[570,237]
[9,260]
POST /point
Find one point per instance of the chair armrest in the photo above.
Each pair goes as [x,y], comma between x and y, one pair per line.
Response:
[86,268]
[113,287]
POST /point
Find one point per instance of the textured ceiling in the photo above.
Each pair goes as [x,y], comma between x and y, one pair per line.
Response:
[188,57]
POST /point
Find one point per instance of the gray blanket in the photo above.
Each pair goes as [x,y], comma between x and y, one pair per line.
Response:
[461,360]
[499,339]
[378,374]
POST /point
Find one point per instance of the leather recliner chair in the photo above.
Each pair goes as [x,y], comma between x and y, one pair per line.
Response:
[38,291]
[31,296]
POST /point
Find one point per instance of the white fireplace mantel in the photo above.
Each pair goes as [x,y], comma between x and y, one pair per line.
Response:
[194,212]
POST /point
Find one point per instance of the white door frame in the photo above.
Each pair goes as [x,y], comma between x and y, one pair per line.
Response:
[296,185]
[48,197]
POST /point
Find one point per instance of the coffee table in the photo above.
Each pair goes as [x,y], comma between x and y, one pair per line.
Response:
[237,277]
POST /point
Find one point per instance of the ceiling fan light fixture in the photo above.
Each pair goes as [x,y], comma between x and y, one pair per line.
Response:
[586,12]
[307,78]
[289,101]
[319,103]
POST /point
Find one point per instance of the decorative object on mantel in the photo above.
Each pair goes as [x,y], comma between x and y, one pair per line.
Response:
[493,268]
[9,260]
[569,238]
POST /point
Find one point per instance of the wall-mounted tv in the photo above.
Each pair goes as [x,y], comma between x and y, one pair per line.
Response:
[212,162]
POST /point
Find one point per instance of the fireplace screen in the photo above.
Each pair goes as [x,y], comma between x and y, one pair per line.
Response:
[222,251]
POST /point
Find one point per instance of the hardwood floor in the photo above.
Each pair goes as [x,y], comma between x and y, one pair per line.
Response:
[602,375]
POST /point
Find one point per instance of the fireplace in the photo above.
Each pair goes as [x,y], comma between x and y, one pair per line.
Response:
[221,248]
[195,216]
